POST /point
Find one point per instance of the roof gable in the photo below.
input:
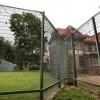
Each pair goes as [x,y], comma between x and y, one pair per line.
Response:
[70,29]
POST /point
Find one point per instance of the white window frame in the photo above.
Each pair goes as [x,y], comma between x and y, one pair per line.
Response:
[95,61]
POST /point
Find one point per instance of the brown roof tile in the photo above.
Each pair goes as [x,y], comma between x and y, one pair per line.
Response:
[70,29]
[91,38]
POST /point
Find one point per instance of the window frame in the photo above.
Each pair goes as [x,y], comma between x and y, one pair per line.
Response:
[95,61]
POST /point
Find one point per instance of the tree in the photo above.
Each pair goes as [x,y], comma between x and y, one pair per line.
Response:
[18,57]
[27,32]
[6,50]
[9,52]
[2,48]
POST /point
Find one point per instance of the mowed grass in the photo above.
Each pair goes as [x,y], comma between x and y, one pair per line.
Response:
[13,81]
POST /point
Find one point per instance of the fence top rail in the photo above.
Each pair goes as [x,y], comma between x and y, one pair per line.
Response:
[21,8]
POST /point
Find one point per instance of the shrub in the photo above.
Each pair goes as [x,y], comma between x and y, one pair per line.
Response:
[16,68]
[34,68]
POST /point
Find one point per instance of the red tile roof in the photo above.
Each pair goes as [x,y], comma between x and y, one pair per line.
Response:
[70,29]
[64,31]
[91,38]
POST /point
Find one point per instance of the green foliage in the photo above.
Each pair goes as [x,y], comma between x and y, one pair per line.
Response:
[19,57]
[27,29]
[6,50]
[9,52]
[27,32]
[16,68]
[34,68]
[72,94]
[2,48]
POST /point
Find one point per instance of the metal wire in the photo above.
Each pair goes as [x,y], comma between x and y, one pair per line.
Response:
[58,53]
[86,53]
[10,69]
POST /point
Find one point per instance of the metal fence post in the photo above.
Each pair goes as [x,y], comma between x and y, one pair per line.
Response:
[74,62]
[42,53]
[97,39]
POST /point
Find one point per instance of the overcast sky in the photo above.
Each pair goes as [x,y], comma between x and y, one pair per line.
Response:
[60,12]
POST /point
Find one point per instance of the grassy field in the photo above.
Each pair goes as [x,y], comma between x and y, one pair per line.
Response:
[73,94]
[12,81]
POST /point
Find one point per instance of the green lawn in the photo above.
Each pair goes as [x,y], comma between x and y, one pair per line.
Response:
[73,94]
[19,80]
[11,81]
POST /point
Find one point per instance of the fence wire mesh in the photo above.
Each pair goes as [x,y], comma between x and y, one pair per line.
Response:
[20,42]
[54,58]
[97,20]
[69,55]
[87,53]
[86,50]
[20,46]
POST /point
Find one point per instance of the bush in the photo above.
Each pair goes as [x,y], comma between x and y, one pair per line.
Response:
[16,68]
[34,68]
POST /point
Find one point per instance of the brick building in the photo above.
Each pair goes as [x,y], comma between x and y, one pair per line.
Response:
[85,50]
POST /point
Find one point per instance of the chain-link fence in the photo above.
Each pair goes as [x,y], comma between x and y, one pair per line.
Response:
[43,57]
[20,46]
[29,42]
[54,57]
[87,54]
[86,49]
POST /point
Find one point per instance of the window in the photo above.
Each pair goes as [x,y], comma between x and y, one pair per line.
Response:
[90,48]
[95,49]
[81,61]
[95,61]
[78,45]
[75,45]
